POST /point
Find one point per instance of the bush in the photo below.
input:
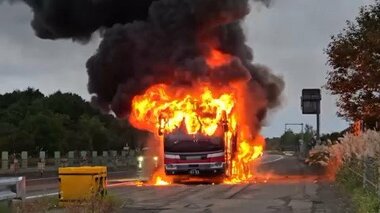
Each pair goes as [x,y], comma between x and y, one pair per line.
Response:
[319,155]
[345,155]
[348,180]
[345,149]
[365,201]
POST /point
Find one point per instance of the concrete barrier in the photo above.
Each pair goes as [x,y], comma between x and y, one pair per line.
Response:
[24,160]
[71,158]
[94,157]
[4,160]
[26,163]
[42,155]
[105,158]
[57,158]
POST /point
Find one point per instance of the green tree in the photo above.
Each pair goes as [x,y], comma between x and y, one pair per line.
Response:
[46,131]
[68,104]
[26,97]
[309,133]
[29,121]
[7,133]
[289,140]
[354,56]
[273,143]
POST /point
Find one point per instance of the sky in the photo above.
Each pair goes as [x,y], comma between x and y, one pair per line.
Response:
[289,37]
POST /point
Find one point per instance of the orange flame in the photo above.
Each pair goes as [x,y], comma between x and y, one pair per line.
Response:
[160,179]
[201,113]
[161,182]
[217,59]
[200,110]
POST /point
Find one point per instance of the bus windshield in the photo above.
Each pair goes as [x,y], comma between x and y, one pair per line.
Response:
[201,145]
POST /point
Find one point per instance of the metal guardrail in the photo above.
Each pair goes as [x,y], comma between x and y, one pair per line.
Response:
[12,188]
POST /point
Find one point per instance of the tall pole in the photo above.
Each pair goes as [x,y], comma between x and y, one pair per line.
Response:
[318,127]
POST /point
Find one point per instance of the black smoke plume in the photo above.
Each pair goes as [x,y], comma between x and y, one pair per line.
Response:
[147,42]
[78,19]
[171,47]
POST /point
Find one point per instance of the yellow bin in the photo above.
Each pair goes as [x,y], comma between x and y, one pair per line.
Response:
[78,184]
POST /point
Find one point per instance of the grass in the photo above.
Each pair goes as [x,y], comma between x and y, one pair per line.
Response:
[107,204]
[365,201]
[35,205]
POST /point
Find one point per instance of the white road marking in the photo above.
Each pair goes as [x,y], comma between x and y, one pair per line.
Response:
[280,157]
[41,179]
[42,195]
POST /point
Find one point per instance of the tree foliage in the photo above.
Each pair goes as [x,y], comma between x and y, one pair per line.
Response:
[29,121]
[290,140]
[354,56]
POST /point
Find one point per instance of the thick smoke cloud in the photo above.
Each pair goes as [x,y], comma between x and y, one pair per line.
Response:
[78,19]
[147,42]
[171,46]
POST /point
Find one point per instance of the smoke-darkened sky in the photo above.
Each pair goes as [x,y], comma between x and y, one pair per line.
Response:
[289,37]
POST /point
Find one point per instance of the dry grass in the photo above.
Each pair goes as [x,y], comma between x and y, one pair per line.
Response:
[94,205]
[107,204]
[347,148]
[35,205]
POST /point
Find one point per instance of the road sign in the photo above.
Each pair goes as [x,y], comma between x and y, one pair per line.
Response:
[311,104]
[311,101]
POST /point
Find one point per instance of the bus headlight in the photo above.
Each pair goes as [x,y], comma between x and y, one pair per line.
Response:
[170,167]
[140,160]
[155,158]
[217,165]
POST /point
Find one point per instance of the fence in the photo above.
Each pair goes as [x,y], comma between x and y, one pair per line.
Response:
[20,162]
[368,171]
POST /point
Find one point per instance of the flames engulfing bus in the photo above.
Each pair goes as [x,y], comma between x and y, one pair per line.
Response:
[199,154]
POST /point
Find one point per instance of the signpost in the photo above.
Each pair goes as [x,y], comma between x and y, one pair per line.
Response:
[311,105]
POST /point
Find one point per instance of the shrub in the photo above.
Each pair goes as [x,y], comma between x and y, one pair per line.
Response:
[345,155]
[346,148]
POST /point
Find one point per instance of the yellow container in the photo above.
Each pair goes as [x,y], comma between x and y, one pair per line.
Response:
[78,184]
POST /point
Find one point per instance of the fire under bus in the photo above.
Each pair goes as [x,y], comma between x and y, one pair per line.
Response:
[199,155]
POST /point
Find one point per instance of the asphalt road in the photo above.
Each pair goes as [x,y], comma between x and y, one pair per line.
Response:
[282,184]
[40,187]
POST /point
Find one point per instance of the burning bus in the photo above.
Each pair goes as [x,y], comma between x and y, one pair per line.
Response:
[187,62]
[198,154]
[197,130]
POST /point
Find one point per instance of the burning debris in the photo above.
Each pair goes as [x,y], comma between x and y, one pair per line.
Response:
[173,61]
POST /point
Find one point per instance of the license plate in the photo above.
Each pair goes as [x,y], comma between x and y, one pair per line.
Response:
[194,172]
[193,157]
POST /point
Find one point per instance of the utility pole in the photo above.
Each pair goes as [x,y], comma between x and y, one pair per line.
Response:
[318,127]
